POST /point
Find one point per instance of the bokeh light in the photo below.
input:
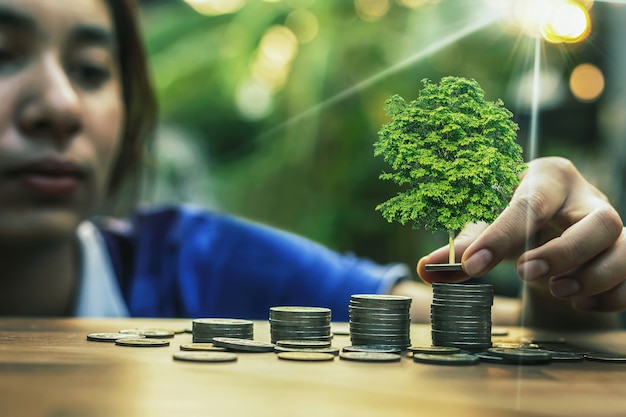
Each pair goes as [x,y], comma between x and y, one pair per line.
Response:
[586,82]
[303,24]
[216,7]
[371,10]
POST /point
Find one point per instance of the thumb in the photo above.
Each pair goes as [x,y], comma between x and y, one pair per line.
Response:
[441,255]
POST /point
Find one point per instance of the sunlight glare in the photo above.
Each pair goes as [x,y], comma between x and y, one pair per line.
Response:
[568,22]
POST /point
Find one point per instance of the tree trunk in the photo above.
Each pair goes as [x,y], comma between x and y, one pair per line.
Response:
[452,255]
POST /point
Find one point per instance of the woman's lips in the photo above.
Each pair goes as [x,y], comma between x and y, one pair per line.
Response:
[50,178]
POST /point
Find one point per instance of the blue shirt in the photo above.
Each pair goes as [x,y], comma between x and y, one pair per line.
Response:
[185,262]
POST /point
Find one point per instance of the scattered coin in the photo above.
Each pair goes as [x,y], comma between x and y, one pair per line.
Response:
[311,344]
[244,345]
[109,337]
[370,356]
[142,342]
[605,357]
[435,350]
[522,356]
[331,350]
[201,347]
[205,356]
[452,359]
[306,356]
[566,357]
[372,348]
[150,333]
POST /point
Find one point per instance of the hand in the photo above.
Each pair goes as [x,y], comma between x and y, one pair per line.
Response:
[577,249]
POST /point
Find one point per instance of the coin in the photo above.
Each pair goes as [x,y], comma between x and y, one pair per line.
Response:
[452,359]
[151,333]
[522,356]
[306,356]
[444,267]
[142,342]
[331,350]
[109,337]
[371,348]
[201,347]
[370,356]
[205,356]
[434,350]
[499,331]
[246,345]
[303,343]
[605,357]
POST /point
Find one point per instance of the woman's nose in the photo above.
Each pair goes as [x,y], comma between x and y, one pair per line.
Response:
[52,107]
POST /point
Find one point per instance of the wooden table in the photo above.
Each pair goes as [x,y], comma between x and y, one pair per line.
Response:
[48,368]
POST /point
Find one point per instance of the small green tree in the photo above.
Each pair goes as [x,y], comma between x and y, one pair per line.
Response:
[453,152]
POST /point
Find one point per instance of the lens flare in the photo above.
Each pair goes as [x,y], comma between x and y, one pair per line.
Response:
[567,22]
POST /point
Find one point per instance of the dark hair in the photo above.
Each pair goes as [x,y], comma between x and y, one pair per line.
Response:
[141,109]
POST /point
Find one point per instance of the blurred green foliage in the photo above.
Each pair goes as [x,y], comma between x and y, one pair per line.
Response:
[306,164]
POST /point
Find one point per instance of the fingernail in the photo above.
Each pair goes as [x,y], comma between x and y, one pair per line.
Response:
[532,270]
[564,287]
[476,264]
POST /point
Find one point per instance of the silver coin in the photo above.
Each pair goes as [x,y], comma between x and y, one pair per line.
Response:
[434,350]
[109,337]
[247,345]
[212,357]
[566,357]
[142,342]
[370,356]
[499,331]
[373,348]
[304,343]
[515,345]
[606,357]
[444,267]
[151,333]
[222,322]
[444,286]
[522,356]
[306,356]
[452,359]
[331,350]
[201,347]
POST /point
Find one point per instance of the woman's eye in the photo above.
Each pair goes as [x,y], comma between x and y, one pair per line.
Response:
[8,59]
[90,76]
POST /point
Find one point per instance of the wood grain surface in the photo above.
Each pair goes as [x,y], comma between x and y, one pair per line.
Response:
[48,368]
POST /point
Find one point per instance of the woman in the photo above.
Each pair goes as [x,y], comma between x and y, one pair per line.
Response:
[77,117]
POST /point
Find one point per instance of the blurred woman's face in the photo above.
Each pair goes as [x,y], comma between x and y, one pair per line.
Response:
[61,114]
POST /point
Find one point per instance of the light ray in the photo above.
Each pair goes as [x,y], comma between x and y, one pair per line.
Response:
[429,50]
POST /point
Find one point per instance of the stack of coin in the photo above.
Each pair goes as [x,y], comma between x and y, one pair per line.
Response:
[300,323]
[205,329]
[380,320]
[461,315]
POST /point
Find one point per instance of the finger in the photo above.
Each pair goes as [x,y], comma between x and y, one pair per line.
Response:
[441,256]
[602,274]
[609,301]
[535,202]
[580,243]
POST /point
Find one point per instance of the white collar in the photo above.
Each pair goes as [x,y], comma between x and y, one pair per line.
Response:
[99,293]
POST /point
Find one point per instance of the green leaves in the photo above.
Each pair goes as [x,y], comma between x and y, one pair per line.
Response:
[455,153]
